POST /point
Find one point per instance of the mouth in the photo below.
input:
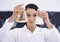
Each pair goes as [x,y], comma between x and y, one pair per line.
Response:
[31,22]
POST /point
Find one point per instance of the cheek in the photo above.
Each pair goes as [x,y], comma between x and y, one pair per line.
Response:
[34,18]
[28,18]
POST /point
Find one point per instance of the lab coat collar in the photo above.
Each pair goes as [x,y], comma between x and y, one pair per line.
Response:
[37,29]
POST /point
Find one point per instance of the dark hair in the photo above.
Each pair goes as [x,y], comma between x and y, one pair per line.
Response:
[33,6]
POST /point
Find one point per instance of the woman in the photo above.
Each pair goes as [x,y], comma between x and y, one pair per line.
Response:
[30,32]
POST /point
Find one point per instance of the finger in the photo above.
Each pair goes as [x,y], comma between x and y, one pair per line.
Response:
[41,12]
[19,5]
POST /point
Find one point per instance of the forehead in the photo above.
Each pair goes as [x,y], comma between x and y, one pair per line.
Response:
[30,10]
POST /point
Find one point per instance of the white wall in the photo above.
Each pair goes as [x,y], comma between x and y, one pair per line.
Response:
[47,5]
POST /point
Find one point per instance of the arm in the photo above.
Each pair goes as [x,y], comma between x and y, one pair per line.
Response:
[9,37]
[17,10]
[50,36]
[5,28]
[52,30]
[55,34]
[45,17]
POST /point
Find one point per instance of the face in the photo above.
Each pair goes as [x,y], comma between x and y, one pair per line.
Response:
[31,16]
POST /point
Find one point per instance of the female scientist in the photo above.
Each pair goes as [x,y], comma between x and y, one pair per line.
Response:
[30,32]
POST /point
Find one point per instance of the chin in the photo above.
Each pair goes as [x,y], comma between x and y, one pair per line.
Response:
[32,24]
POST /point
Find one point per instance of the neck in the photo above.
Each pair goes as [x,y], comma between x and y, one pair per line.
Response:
[31,27]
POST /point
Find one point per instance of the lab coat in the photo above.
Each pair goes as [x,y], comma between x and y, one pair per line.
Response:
[5,28]
[38,35]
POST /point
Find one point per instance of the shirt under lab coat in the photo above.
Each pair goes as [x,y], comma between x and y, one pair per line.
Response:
[5,28]
[38,35]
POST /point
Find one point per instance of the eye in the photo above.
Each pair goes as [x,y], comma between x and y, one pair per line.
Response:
[34,15]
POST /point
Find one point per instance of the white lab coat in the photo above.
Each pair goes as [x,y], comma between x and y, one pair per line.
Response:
[39,35]
[5,28]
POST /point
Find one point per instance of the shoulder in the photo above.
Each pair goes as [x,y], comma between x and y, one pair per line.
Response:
[16,30]
[44,30]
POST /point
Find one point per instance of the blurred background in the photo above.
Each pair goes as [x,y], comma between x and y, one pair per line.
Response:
[51,6]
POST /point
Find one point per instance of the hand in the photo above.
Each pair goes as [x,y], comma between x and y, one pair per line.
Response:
[45,17]
[18,10]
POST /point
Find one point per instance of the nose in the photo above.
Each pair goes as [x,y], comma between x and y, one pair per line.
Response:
[31,19]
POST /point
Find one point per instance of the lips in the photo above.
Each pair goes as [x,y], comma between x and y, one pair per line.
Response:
[30,22]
